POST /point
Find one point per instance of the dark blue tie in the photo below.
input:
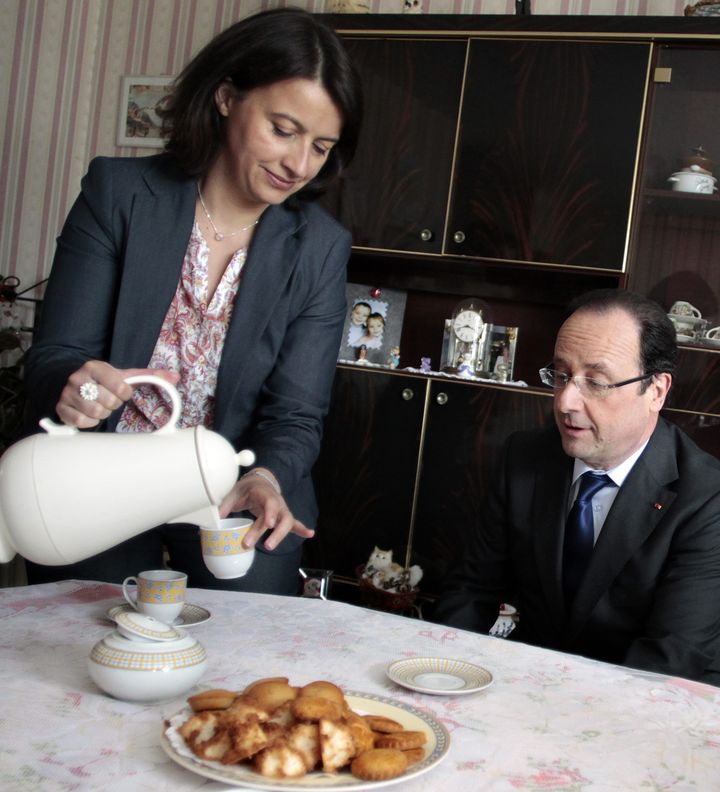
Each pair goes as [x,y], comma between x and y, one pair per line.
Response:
[579,532]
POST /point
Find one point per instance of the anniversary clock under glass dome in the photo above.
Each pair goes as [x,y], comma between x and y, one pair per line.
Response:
[466,338]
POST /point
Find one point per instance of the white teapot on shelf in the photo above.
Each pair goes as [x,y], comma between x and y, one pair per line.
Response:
[66,495]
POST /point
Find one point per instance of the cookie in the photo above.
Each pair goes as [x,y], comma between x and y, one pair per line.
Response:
[380,724]
[414,755]
[212,699]
[323,689]
[379,764]
[403,741]
[311,708]
[272,693]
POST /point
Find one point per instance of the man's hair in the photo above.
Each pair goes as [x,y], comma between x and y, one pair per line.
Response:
[658,344]
[263,49]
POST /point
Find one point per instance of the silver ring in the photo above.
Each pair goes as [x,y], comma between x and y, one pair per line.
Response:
[89,391]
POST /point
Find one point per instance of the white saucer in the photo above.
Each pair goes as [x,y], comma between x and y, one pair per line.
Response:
[189,616]
[439,676]
[683,339]
[713,343]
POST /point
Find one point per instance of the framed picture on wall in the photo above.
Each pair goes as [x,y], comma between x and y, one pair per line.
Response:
[139,123]
[373,324]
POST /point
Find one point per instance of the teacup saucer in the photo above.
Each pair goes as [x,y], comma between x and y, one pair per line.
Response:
[713,343]
[439,676]
[189,616]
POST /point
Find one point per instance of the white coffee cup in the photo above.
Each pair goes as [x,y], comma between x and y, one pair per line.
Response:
[683,308]
[223,551]
[160,593]
[713,332]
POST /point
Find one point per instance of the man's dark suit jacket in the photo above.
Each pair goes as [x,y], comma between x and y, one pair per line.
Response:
[651,595]
[115,274]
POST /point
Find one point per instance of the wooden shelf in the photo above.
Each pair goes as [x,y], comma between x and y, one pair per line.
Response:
[668,201]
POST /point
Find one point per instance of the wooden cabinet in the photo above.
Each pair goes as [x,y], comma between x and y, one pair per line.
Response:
[676,241]
[539,125]
[547,143]
[405,460]
[366,474]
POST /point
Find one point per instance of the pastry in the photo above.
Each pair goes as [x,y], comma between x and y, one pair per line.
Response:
[385,725]
[212,699]
[403,740]
[379,764]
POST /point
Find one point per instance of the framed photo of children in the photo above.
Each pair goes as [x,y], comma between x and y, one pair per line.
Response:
[139,123]
[373,325]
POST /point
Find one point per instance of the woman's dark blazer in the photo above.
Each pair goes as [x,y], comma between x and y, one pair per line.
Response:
[116,270]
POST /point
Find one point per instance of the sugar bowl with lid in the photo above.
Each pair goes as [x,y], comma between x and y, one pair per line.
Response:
[146,660]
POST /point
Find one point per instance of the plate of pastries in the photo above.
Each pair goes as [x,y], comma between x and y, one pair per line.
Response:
[275,735]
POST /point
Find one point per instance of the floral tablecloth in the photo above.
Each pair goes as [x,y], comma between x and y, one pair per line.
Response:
[549,721]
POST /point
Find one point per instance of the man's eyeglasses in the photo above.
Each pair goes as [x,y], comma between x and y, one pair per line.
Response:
[587,386]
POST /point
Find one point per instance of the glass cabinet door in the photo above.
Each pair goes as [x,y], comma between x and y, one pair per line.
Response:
[676,245]
[394,194]
[547,153]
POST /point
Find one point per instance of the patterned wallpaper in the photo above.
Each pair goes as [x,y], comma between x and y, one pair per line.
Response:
[61,64]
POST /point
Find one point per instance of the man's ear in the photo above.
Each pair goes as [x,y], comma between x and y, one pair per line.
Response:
[660,387]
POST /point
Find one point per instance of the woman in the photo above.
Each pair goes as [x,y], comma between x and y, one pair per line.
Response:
[208,264]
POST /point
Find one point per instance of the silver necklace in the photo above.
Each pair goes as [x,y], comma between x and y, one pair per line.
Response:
[219,234]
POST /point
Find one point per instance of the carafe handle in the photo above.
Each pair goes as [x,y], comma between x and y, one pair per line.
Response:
[170,390]
[140,379]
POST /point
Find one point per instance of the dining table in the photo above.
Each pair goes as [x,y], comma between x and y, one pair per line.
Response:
[544,720]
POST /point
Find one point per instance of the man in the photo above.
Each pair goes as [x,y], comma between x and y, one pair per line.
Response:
[649,595]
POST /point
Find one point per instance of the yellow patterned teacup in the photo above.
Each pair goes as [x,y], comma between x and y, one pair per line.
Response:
[223,552]
[160,593]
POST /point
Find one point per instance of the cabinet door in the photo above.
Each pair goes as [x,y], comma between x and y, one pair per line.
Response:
[365,475]
[394,195]
[466,429]
[547,153]
[676,247]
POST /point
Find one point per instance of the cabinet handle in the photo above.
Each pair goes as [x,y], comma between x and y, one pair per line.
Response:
[426,235]
[459,237]
[407,393]
[441,398]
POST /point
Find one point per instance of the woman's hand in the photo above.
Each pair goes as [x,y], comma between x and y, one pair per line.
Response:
[257,495]
[112,390]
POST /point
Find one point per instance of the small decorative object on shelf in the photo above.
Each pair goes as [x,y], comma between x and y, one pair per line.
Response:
[465,366]
[347,7]
[374,321]
[699,159]
[466,339]
[688,321]
[703,8]
[425,364]
[501,352]
[386,585]
[394,357]
[712,337]
[315,582]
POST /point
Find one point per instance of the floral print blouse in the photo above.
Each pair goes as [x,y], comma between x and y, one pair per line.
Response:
[190,343]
